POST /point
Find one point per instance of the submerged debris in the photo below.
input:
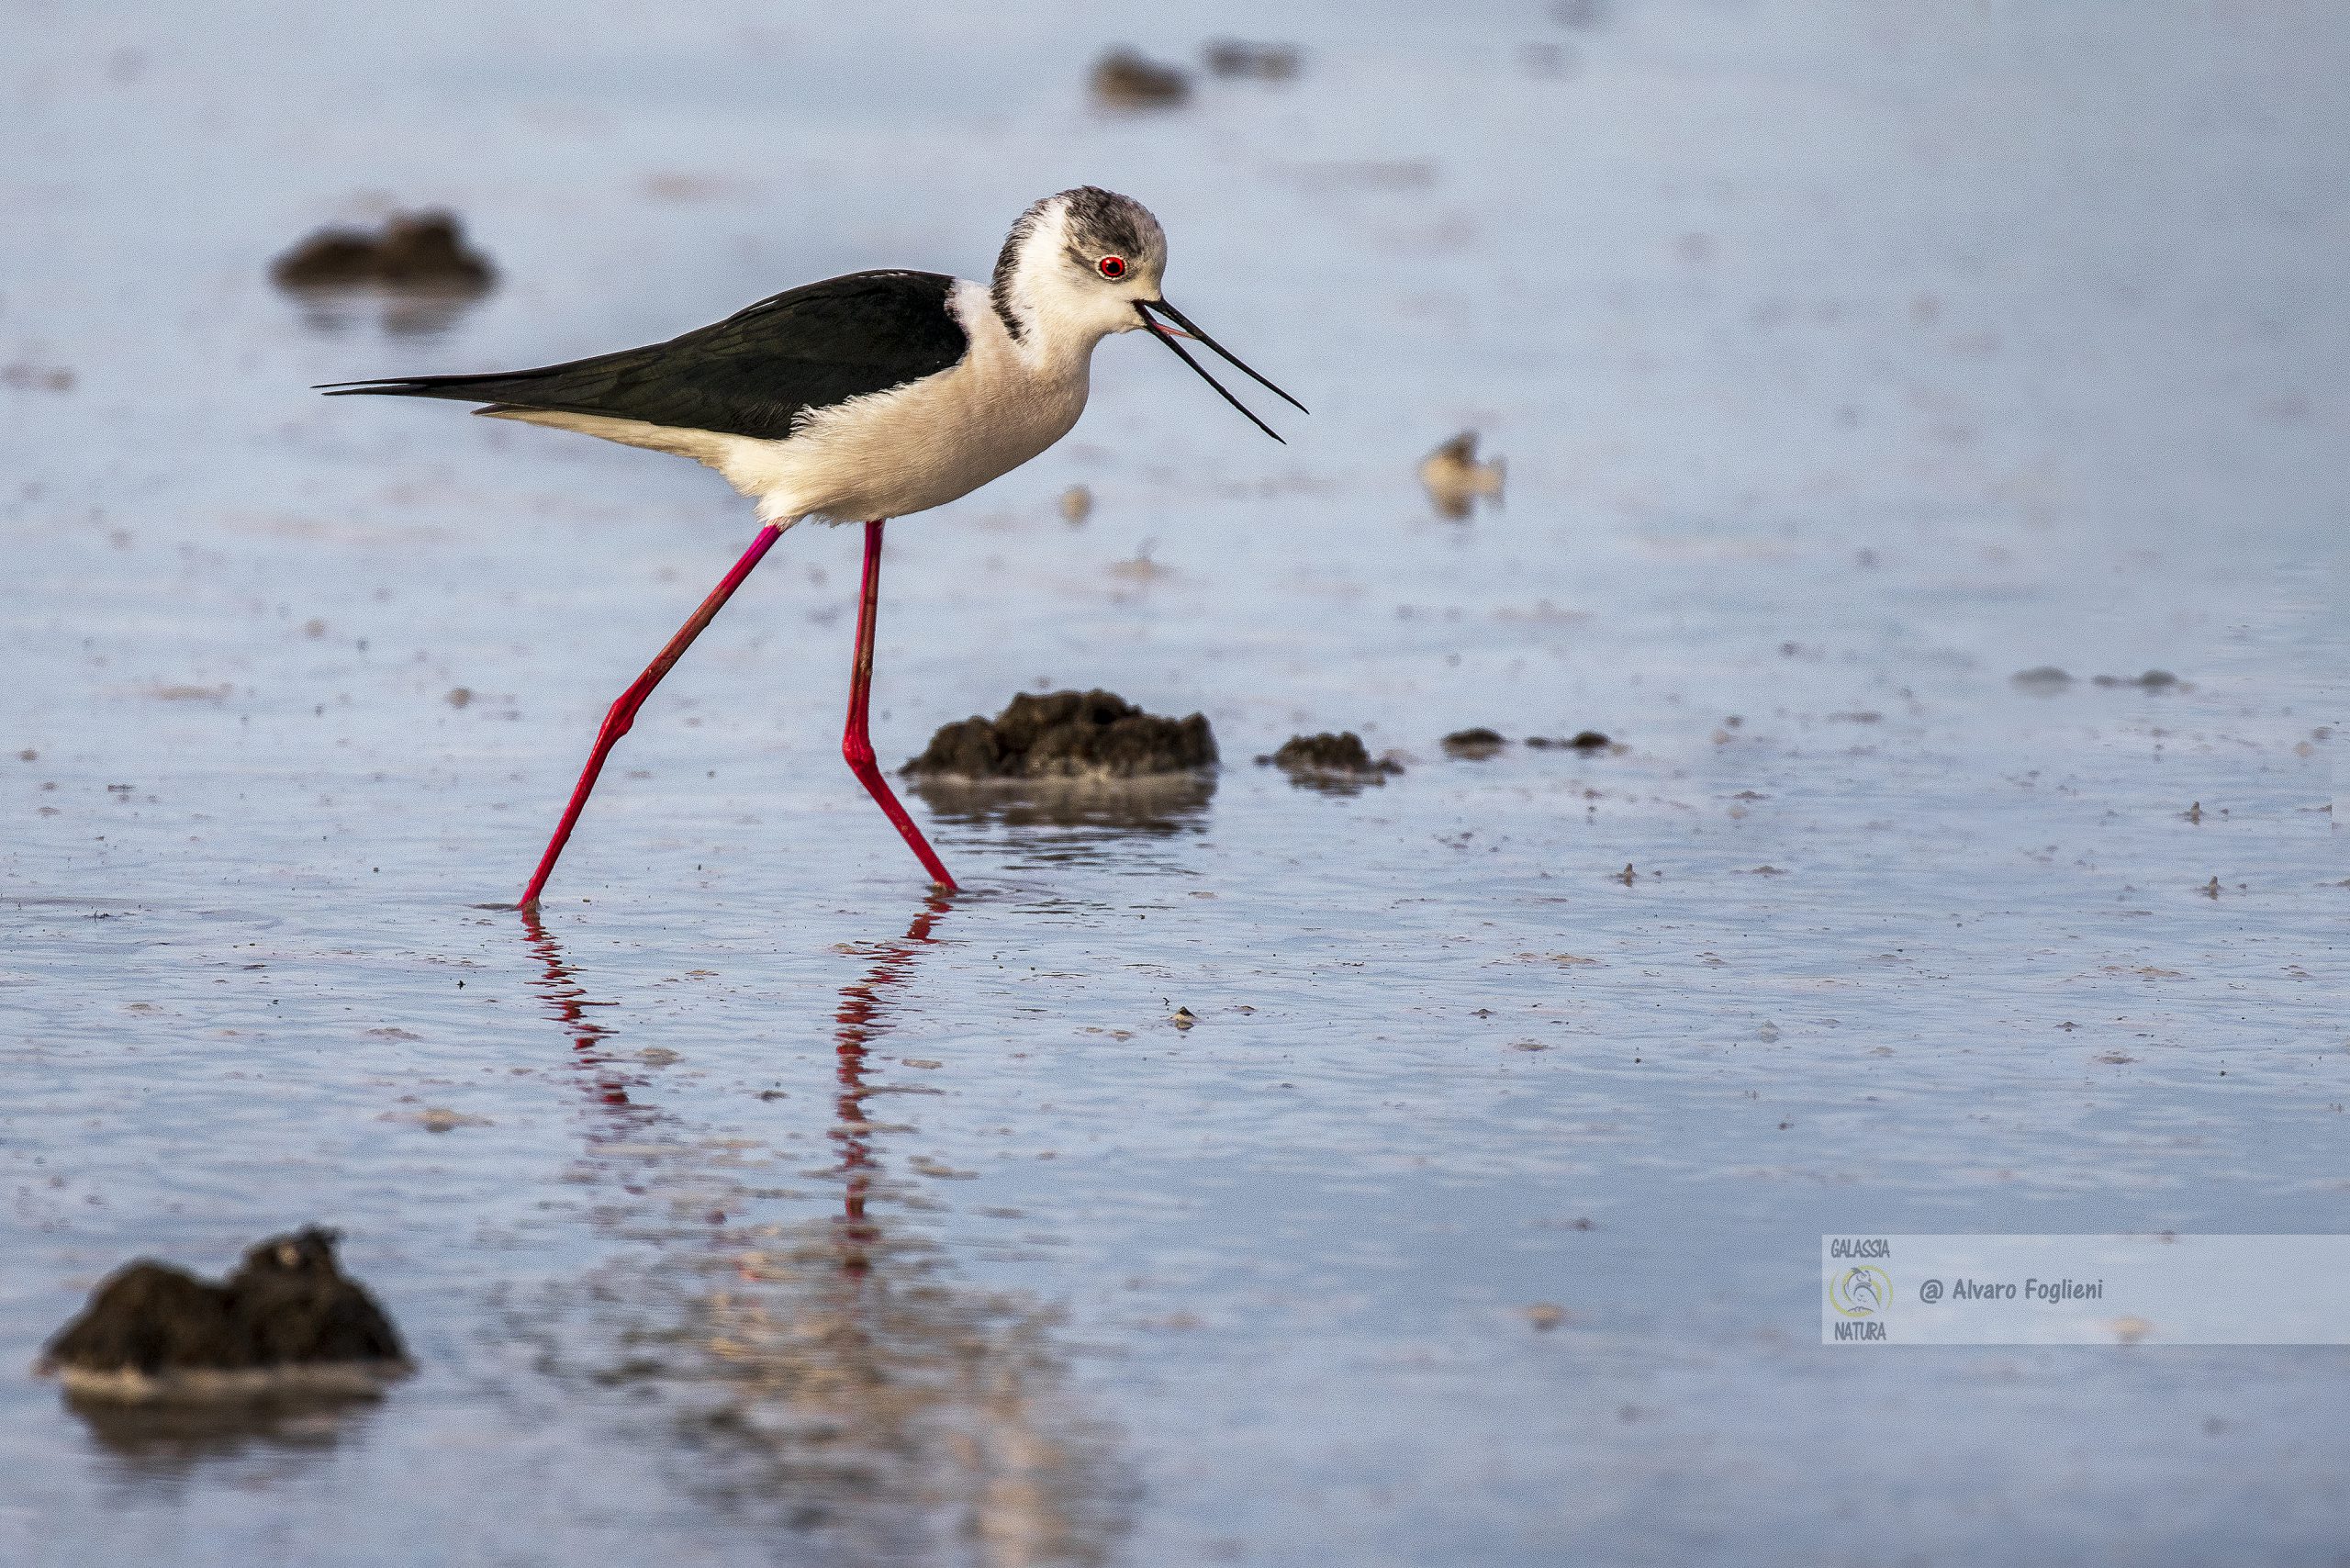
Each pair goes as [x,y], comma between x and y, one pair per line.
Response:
[38,378]
[2048,679]
[1261,62]
[1077,505]
[1066,734]
[441,1119]
[1582,740]
[1141,568]
[1455,478]
[1476,744]
[1326,761]
[1124,80]
[414,251]
[289,1321]
[1156,805]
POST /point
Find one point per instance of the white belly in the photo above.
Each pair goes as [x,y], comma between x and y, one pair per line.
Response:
[910,449]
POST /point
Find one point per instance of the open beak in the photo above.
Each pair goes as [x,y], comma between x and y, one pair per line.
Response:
[1167,335]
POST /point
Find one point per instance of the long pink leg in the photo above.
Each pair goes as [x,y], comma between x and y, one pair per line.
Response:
[624,713]
[856,744]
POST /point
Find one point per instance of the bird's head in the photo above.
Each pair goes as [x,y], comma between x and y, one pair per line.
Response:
[1087,262]
[1076,265]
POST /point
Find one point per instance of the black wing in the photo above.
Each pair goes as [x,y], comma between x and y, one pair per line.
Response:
[751,374]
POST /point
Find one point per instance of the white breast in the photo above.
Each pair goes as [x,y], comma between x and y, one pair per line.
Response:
[923,444]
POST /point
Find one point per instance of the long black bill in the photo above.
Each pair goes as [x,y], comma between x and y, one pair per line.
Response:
[1185,322]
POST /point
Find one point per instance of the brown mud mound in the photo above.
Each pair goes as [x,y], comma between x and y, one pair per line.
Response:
[414,251]
[1124,80]
[1582,740]
[289,1321]
[1066,734]
[1476,743]
[1330,762]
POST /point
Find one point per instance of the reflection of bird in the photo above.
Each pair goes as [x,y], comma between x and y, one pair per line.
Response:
[1455,478]
[830,1371]
[863,397]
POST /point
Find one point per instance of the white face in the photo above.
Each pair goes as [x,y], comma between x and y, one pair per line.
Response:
[1081,265]
[1103,287]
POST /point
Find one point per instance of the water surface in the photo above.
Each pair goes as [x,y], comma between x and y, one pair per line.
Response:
[756,1205]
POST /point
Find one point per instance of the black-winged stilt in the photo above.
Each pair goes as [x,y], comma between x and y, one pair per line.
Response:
[863,397]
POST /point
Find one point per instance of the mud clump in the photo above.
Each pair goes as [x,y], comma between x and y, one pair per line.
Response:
[413,250]
[1582,740]
[1124,80]
[1476,744]
[2041,678]
[1329,760]
[288,1321]
[1066,734]
[1455,479]
[2153,680]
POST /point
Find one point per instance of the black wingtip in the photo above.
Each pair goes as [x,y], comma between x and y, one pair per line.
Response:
[466,389]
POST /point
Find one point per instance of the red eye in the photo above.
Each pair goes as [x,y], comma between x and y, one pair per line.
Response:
[1113,267]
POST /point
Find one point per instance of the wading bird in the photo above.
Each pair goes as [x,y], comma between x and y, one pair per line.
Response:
[861,398]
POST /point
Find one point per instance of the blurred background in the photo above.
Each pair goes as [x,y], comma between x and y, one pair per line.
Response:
[1847,362]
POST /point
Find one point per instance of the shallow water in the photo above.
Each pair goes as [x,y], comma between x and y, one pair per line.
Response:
[757,1206]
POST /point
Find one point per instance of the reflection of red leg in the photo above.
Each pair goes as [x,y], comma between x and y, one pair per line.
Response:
[568,999]
[863,1014]
[856,744]
[624,713]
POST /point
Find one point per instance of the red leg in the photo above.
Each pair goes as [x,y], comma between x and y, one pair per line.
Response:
[624,713]
[856,744]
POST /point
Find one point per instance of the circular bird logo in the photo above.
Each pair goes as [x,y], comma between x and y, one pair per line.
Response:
[1861,1291]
